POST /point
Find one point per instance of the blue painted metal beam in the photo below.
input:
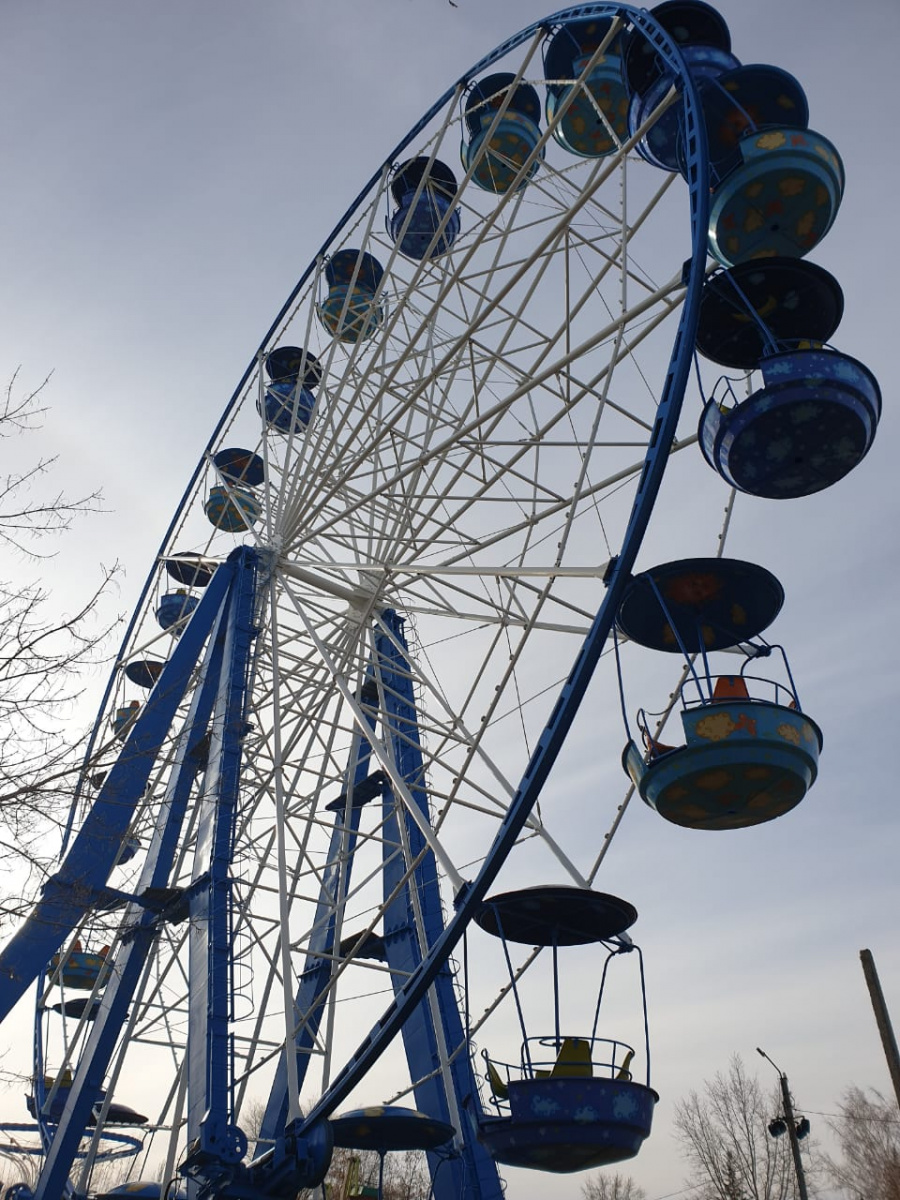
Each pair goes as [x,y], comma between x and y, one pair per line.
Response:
[143,929]
[214,1143]
[74,889]
[471,1173]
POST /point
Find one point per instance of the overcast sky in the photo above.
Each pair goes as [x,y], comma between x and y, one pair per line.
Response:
[170,169]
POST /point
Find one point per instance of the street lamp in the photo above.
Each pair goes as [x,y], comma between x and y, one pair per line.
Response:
[787,1124]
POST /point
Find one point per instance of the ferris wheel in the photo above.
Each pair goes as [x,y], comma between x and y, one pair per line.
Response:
[336,713]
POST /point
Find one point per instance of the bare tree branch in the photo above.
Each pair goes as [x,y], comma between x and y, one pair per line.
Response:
[868,1130]
[25,518]
[45,657]
[724,1136]
[612,1187]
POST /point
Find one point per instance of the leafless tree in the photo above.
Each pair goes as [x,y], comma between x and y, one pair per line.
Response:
[868,1130]
[612,1187]
[355,1173]
[46,647]
[724,1136]
[26,518]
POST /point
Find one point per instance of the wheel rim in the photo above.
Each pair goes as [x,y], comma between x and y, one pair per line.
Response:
[472,467]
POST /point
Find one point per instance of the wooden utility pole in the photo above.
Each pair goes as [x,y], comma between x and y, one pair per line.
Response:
[790,1123]
[792,1134]
[882,1019]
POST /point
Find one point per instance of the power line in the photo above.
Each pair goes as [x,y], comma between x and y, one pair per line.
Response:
[852,1117]
[691,1187]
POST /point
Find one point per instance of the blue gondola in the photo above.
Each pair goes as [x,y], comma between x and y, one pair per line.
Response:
[285,364]
[233,509]
[82,1006]
[699,30]
[424,196]
[294,375]
[239,466]
[570,1103]
[144,671]
[499,149]
[765,306]
[750,753]
[130,848]
[43,1089]
[370,945]
[119,1114]
[288,407]
[705,44]
[386,1128]
[350,311]
[581,129]
[192,570]
[52,1108]
[174,608]
[813,420]
[815,416]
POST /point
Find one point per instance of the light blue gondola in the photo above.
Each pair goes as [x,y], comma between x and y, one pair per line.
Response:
[781,199]
[350,311]
[594,120]
[124,718]
[744,761]
[425,197]
[750,753]
[498,152]
[80,969]
[233,509]
[174,608]
[741,102]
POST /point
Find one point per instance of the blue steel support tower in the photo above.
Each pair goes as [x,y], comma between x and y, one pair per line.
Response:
[433,1036]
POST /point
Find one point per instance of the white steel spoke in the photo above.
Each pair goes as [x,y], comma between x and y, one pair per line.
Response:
[432,541]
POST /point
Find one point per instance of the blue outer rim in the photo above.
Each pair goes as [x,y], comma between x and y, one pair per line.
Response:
[699,214]
[550,743]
